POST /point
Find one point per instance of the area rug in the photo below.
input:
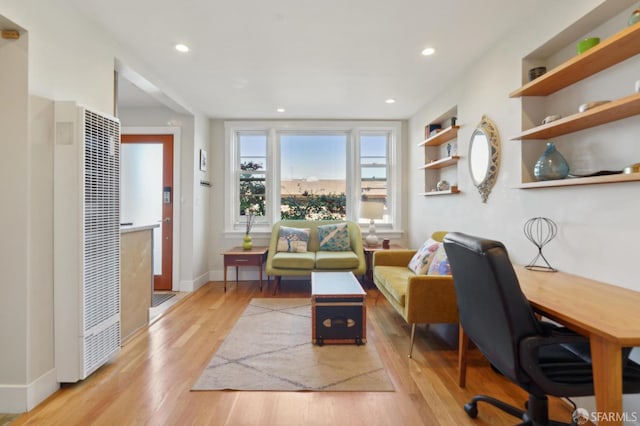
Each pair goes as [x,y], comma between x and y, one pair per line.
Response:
[270,349]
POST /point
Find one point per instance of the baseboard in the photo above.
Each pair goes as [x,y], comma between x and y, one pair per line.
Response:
[244,274]
[22,398]
[190,286]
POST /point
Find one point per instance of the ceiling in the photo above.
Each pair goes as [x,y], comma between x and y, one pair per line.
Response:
[333,59]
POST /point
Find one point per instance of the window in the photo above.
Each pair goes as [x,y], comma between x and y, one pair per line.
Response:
[252,172]
[374,169]
[312,170]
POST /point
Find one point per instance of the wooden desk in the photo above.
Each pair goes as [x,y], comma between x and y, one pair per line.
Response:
[237,257]
[607,314]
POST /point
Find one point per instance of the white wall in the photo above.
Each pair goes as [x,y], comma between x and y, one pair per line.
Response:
[598,224]
[587,216]
[68,58]
[14,223]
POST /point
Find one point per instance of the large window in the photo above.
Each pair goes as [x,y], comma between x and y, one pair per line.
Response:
[312,171]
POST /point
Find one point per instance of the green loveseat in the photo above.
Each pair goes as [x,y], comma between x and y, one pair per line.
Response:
[283,264]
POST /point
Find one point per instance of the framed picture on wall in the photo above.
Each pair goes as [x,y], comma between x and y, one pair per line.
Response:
[203,160]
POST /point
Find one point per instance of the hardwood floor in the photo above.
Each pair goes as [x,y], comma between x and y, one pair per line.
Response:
[150,380]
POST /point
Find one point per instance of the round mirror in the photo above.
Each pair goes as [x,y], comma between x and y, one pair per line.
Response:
[484,156]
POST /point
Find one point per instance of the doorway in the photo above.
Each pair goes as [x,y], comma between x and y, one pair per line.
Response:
[147,196]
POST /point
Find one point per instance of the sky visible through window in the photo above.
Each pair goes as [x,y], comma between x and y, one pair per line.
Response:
[315,156]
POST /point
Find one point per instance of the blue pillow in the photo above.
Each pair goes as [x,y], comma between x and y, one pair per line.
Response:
[334,237]
[293,240]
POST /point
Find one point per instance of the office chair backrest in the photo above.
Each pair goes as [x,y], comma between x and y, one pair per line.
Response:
[493,310]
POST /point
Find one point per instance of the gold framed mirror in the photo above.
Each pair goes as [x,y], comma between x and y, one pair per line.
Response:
[484,156]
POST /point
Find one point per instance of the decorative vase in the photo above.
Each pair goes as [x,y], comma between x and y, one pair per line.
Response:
[247,244]
[551,165]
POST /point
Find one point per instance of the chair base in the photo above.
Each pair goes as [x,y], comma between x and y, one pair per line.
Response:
[537,413]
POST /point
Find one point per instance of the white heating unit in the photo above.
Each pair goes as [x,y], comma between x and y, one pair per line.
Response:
[86,240]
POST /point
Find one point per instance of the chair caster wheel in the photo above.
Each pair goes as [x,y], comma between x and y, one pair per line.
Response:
[471,409]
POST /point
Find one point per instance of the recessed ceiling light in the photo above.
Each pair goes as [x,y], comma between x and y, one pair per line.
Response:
[428,51]
[183,48]
[280,110]
[390,101]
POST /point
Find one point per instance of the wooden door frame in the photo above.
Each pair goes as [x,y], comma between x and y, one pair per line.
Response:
[177,193]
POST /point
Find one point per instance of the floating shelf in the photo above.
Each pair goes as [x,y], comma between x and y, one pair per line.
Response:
[606,113]
[441,137]
[594,180]
[442,163]
[453,190]
[611,51]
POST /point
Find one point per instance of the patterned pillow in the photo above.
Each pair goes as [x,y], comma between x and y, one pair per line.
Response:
[334,237]
[419,264]
[293,240]
[439,263]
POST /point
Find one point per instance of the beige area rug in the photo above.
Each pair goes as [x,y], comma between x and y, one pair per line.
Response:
[270,349]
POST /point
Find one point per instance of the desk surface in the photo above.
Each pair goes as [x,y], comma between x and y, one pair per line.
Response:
[588,306]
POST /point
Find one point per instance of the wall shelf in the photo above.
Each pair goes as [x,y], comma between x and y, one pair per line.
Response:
[441,137]
[633,177]
[611,51]
[612,111]
[623,45]
[453,190]
[442,163]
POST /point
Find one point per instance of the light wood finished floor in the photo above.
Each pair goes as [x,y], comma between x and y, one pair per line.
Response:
[149,382]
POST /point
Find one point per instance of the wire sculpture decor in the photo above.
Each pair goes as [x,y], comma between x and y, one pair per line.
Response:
[540,230]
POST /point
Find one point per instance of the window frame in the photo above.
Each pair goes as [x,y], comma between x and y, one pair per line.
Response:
[233,222]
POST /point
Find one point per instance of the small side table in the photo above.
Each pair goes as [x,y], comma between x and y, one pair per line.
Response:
[368,254]
[237,257]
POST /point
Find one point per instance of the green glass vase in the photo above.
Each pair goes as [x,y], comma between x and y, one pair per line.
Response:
[247,244]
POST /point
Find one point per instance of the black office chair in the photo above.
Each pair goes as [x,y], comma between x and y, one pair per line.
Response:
[541,358]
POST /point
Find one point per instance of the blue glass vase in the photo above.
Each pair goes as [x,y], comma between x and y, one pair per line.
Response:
[551,165]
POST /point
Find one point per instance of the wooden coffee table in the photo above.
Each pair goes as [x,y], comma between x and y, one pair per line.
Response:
[338,309]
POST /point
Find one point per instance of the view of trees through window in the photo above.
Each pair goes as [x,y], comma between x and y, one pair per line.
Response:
[253,160]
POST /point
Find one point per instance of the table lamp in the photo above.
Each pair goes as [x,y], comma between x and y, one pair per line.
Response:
[371,210]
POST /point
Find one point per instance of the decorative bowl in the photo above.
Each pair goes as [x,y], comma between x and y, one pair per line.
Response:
[550,118]
[589,105]
[587,43]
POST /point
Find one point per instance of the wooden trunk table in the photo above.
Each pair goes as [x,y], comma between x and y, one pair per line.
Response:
[338,309]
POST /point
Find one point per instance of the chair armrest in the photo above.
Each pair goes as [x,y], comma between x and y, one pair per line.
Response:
[392,257]
[559,336]
[431,299]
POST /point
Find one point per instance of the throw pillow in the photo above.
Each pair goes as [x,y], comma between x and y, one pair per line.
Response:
[293,240]
[419,264]
[439,263]
[334,237]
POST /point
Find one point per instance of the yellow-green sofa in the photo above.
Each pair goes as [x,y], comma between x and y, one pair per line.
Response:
[280,264]
[419,299]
